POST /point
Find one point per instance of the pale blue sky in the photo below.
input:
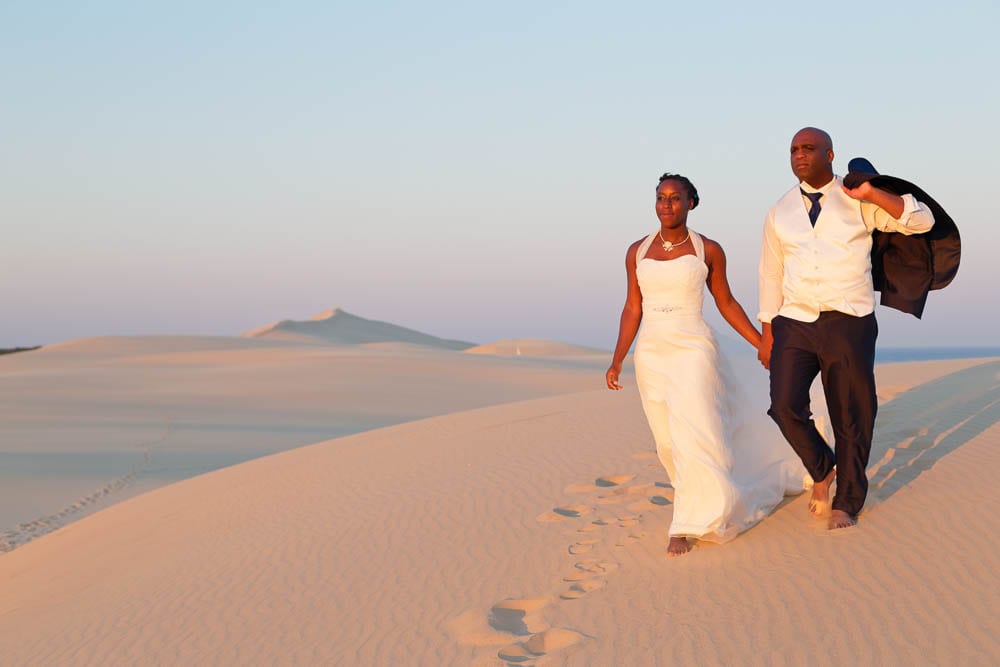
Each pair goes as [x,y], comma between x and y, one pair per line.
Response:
[471,171]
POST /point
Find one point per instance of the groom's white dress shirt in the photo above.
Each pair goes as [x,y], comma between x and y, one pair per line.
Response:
[805,270]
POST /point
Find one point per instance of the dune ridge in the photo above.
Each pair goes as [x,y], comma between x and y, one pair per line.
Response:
[529,533]
[90,422]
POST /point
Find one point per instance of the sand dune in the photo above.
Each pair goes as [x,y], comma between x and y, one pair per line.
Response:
[339,327]
[131,346]
[88,423]
[529,533]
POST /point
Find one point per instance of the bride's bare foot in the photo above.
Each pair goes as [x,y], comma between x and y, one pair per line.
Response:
[841,519]
[678,546]
[820,501]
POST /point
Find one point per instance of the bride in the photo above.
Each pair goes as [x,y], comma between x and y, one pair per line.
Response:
[727,462]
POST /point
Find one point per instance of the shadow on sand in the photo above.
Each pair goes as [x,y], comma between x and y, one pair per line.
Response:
[917,428]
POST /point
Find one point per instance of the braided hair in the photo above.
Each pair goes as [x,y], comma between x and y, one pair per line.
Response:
[688,185]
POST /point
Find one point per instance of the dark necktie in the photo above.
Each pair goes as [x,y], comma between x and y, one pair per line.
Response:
[814,209]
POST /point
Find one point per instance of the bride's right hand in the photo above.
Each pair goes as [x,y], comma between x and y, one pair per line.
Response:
[612,376]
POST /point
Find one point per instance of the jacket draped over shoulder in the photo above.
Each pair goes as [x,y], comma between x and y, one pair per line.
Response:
[905,268]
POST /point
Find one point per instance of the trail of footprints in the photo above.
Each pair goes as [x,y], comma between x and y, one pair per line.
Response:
[26,531]
[609,515]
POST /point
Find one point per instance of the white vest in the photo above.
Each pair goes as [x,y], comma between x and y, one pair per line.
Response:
[826,267]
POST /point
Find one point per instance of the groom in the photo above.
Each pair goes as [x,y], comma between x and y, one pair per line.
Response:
[817,313]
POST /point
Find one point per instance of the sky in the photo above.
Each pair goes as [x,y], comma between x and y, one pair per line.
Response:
[471,170]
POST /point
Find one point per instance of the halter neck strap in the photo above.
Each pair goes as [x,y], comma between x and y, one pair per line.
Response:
[696,241]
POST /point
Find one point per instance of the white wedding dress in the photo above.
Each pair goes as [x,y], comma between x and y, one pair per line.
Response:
[727,461]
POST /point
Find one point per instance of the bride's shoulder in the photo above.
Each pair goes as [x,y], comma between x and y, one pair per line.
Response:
[713,248]
[632,254]
[635,246]
[638,244]
[709,243]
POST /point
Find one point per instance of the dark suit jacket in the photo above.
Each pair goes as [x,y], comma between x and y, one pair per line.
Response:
[905,268]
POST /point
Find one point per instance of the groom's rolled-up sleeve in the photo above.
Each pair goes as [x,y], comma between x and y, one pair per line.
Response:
[916,217]
[771,272]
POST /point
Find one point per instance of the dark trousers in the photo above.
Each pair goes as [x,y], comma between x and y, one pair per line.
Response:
[841,348]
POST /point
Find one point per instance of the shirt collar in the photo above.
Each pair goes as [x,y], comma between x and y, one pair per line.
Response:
[826,188]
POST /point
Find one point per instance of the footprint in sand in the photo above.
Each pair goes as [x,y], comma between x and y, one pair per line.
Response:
[519,616]
[613,498]
[613,480]
[564,513]
[522,617]
[596,566]
[641,506]
[623,494]
[631,537]
[573,511]
[588,576]
[593,526]
[582,546]
[540,644]
[652,502]
[581,588]
[550,517]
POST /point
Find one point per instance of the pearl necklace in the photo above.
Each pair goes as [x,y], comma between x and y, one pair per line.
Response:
[668,246]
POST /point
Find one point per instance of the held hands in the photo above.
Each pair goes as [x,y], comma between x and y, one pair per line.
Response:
[612,376]
[764,357]
[764,350]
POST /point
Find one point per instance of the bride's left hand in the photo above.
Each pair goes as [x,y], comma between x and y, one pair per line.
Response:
[611,377]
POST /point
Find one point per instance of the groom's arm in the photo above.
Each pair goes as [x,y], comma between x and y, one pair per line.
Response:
[889,212]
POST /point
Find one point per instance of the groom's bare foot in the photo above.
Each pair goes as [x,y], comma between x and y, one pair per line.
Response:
[820,501]
[841,519]
[678,546]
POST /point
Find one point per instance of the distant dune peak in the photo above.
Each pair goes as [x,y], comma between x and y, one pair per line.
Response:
[330,314]
[338,327]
